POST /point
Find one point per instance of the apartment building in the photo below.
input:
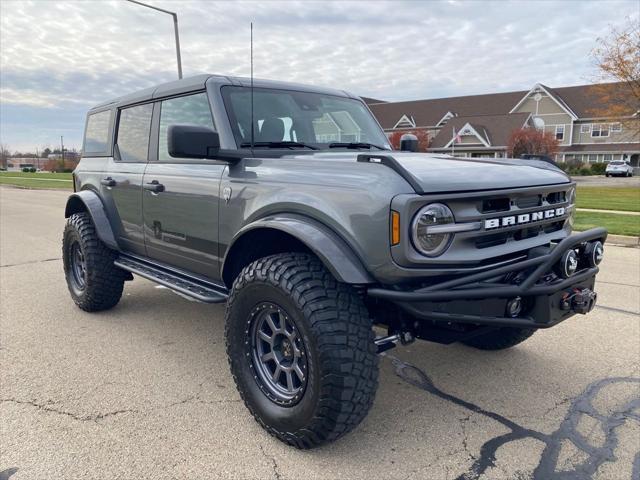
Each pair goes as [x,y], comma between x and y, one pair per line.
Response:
[480,125]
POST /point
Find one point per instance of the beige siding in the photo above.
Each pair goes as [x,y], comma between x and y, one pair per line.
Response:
[545,106]
[628,134]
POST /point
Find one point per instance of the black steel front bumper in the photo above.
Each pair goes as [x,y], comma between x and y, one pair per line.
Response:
[479,298]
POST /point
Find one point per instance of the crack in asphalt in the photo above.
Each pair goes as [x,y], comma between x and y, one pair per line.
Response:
[276,471]
[567,431]
[31,262]
[615,309]
[47,407]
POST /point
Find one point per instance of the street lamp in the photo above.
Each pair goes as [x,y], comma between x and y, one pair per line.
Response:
[175,28]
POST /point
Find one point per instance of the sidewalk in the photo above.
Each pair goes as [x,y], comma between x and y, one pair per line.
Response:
[619,212]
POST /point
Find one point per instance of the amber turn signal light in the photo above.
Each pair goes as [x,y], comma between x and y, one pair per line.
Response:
[395,228]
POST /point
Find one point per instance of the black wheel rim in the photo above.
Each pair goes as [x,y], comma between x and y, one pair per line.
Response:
[78,266]
[278,352]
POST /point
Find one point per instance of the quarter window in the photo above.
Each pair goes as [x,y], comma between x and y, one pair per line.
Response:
[600,130]
[559,132]
[96,135]
[189,110]
[133,133]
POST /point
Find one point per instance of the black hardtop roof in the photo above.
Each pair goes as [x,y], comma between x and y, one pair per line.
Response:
[198,82]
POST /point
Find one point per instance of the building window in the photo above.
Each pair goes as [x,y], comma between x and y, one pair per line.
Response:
[608,157]
[593,158]
[585,128]
[559,132]
[616,127]
[600,130]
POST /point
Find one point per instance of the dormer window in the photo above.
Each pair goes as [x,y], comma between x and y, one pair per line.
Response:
[405,122]
[445,119]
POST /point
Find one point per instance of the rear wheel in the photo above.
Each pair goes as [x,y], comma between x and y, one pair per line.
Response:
[94,282]
[301,349]
[500,339]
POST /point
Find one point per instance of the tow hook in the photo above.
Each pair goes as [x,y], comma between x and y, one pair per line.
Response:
[579,300]
[390,341]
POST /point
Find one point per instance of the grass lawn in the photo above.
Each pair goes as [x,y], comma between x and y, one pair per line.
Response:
[609,198]
[616,224]
[37,180]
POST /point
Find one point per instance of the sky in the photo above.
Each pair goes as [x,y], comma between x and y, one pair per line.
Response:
[58,58]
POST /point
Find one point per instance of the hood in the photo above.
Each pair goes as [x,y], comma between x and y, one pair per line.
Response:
[428,173]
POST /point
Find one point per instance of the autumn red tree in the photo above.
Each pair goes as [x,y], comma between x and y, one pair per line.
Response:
[532,141]
[617,58]
[423,139]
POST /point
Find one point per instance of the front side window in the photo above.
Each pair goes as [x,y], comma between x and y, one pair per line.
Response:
[600,130]
[96,135]
[314,119]
[133,133]
[559,132]
[189,110]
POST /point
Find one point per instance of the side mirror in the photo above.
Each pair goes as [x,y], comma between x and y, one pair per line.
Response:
[409,143]
[192,141]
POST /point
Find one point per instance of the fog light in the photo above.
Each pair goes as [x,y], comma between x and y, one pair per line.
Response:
[594,253]
[568,264]
[514,307]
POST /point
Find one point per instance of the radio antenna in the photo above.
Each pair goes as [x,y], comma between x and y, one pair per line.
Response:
[252,127]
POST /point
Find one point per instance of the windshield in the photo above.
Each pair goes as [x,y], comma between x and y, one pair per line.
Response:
[301,118]
[616,163]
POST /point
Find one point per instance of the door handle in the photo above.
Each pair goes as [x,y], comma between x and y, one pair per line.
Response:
[108,182]
[154,186]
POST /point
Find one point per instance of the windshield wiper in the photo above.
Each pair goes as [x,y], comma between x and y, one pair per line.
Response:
[280,144]
[355,145]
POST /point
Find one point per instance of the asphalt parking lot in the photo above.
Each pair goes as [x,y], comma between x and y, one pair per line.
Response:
[144,391]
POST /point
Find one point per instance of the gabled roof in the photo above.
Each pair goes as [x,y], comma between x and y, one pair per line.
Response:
[369,100]
[585,101]
[476,130]
[427,113]
[551,94]
[495,129]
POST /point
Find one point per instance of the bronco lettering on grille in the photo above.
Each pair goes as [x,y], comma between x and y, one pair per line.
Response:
[524,218]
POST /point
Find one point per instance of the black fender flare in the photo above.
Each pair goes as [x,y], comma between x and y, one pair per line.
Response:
[89,201]
[329,247]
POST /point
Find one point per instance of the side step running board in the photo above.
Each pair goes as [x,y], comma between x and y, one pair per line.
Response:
[194,288]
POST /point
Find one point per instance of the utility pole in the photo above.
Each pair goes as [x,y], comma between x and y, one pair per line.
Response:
[62,150]
[175,29]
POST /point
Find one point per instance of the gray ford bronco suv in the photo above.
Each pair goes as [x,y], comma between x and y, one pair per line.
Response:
[287,203]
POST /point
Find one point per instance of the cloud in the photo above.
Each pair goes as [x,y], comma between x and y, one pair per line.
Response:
[67,56]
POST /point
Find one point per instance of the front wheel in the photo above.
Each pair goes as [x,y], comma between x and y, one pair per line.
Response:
[500,339]
[94,282]
[301,349]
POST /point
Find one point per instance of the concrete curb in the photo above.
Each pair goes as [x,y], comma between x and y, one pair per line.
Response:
[623,240]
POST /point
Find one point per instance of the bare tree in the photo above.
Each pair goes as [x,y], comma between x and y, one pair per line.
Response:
[4,155]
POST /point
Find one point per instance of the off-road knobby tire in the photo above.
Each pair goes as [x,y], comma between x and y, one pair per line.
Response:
[500,339]
[104,281]
[336,329]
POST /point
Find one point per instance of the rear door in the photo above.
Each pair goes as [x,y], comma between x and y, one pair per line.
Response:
[122,186]
[181,196]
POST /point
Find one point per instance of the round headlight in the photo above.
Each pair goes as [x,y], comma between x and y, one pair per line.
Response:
[426,237]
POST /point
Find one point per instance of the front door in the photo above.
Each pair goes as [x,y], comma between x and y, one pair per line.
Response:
[181,196]
[122,185]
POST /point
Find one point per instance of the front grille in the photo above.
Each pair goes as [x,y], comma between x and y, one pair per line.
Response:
[513,205]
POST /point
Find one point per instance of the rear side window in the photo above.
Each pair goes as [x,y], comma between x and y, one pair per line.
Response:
[133,133]
[96,136]
[191,110]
